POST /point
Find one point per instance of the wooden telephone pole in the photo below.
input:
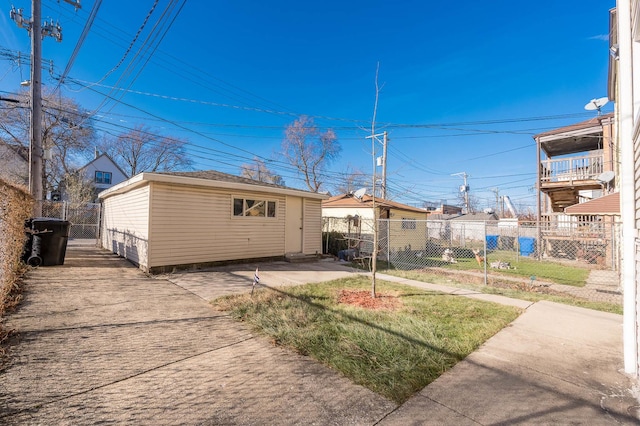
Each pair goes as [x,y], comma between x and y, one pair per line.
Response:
[37,31]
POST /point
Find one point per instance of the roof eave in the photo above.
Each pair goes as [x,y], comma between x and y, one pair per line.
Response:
[143,178]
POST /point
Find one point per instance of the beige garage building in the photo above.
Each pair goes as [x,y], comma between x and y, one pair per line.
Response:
[160,221]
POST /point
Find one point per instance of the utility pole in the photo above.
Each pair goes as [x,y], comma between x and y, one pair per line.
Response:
[496,191]
[382,162]
[385,141]
[374,252]
[36,151]
[464,189]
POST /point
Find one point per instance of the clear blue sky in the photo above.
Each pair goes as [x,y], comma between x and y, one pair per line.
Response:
[465,84]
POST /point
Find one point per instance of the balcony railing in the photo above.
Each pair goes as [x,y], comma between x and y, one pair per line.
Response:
[569,169]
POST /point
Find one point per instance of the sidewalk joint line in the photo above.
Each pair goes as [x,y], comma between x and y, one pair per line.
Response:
[35,408]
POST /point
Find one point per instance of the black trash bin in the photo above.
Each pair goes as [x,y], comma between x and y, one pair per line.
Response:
[47,241]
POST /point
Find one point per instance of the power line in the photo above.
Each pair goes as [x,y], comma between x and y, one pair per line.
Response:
[81,39]
[133,41]
[283,169]
[204,76]
[244,158]
[435,126]
[276,163]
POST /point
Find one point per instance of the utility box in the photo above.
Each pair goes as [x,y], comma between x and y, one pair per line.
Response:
[46,241]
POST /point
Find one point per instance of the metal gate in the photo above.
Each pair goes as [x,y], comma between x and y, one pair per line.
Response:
[84,218]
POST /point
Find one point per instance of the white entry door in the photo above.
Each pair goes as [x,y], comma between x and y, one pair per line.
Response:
[293,225]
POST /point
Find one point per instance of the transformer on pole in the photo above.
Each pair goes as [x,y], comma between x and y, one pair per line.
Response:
[37,32]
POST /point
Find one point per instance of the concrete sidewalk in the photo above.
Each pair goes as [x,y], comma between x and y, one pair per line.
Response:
[101,342]
[555,364]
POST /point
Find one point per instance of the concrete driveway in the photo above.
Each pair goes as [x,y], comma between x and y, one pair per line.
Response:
[100,343]
[232,279]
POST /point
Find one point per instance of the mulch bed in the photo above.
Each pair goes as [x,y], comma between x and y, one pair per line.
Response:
[363,299]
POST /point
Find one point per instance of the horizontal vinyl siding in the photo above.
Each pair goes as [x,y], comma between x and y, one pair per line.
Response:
[195,225]
[401,238]
[125,225]
[312,227]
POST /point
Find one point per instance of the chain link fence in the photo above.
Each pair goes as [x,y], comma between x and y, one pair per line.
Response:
[563,252]
[84,218]
[347,238]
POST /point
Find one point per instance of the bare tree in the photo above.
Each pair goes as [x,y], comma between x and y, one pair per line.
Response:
[78,189]
[259,171]
[14,160]
[309,150]
[67,134]
[141,150]
[351,180]
[474,202]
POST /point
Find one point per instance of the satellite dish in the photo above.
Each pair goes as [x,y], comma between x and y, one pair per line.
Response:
[360,193]
[596,104]
[606,177]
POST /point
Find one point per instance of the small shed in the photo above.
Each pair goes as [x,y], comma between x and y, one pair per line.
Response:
[161,221]
[353,217]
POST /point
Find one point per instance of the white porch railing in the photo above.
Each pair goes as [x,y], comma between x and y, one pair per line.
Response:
[584,167]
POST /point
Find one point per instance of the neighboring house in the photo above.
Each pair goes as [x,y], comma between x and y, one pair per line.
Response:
[354,216]
[470,226]
[443,209]
[573,164]
[103,172]
[624,89]
[14,163]
[164,220]
[460,229]
[578,172]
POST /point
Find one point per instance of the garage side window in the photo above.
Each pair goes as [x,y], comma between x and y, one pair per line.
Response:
[253,208]
[408,223]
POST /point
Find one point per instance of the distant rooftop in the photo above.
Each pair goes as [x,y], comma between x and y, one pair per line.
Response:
[348,200]
[223,177]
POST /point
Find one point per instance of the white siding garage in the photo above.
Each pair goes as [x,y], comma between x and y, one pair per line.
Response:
[125,230]
[164,220]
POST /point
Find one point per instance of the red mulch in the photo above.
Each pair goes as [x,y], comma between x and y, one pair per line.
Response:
[363,299]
